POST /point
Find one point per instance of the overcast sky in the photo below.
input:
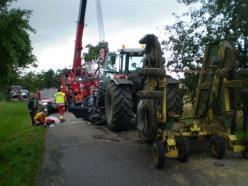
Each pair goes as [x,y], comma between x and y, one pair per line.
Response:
[125,22]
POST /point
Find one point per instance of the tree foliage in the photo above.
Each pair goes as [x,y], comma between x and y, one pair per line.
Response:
[36,81]
[93,51]
[15,44]
[206,21]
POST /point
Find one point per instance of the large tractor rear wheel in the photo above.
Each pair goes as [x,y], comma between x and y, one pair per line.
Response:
[147,123]
[146,120]
[118,106]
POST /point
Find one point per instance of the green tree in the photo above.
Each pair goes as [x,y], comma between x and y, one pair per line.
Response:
[93,51]
[15,44]
[206,21]
[50,79]
[36,81]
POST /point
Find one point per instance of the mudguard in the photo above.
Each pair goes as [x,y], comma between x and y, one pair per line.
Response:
[121,81]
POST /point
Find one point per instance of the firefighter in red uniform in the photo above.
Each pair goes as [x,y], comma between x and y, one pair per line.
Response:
[60,100]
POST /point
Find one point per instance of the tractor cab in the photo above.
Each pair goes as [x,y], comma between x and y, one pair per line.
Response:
[125,61]
[120,70]
[130,60]
[123,64]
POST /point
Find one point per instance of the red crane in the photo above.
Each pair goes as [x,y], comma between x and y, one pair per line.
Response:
[76,82]
[77,64]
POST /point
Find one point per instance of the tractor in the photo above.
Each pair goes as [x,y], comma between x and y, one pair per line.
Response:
[160,105]
[215,105]
[119,93]
[116,100]
[115,96]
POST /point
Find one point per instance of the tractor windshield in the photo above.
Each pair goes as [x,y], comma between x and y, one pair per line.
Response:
[130,62]
[135,62]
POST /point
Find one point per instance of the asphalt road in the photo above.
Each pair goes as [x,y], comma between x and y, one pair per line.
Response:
[79,153]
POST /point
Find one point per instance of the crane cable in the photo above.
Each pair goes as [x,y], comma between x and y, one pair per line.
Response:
[100,21]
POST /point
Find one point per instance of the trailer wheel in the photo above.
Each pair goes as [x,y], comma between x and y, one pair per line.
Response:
[158,154]
[118,106]
[182,145]
[217,146]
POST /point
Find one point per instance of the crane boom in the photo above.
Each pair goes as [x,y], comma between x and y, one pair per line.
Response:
[100,21]
[79,35]
[72,85]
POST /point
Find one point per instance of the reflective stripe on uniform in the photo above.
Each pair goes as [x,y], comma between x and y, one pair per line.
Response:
[60,98]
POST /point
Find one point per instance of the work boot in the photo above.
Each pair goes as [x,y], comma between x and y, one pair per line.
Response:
[61,118]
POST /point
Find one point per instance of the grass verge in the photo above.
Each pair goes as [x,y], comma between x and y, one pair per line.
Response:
[21,145]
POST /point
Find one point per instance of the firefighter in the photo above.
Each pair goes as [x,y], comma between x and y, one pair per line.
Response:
[60,100]
[40,118]
[33,106]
